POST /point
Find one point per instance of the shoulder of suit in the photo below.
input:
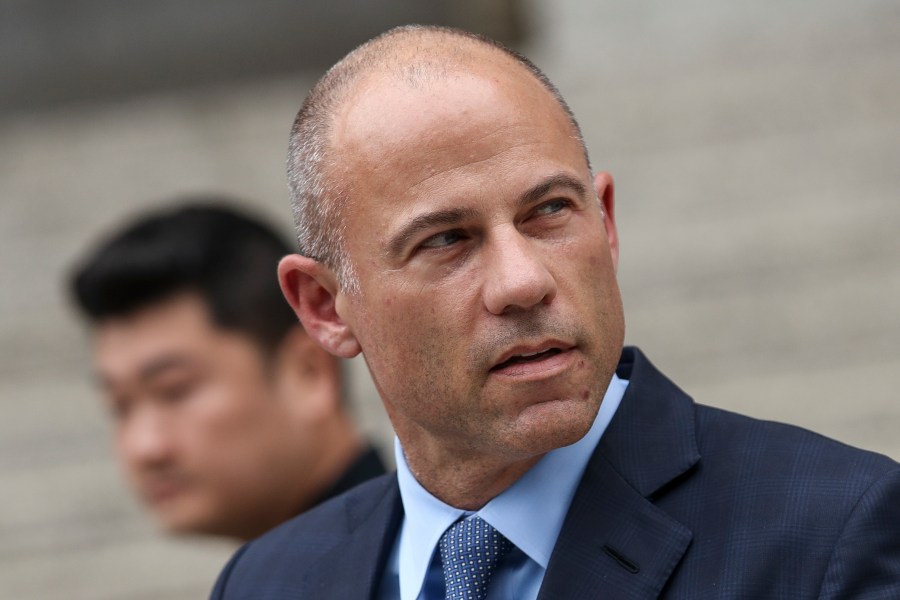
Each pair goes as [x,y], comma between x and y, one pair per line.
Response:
[286,557]
[779,448]
[324,525]
[336,511]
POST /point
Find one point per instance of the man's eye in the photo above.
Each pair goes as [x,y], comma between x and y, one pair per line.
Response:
[442,239]
[174,391]
[548,208]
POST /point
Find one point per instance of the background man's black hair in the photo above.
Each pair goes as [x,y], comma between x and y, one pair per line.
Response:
[202,246]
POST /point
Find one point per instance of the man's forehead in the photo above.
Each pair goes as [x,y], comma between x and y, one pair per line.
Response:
[387,110]
[182,321]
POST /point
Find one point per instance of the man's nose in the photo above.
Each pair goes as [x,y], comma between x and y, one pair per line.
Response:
[517,277]
[145,439]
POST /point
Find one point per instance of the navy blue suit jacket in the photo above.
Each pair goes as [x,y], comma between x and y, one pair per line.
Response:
[678,501]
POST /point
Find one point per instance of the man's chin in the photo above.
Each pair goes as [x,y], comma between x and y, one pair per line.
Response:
[550,425]
[190,527]
[177,516]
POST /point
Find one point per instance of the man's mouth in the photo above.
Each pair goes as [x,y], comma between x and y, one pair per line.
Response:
[526,357]
[161,490]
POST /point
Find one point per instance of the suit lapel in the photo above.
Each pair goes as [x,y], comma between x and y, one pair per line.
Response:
[615,542]
[353,568]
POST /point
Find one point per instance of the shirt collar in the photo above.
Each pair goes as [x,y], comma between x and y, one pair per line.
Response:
[530,513]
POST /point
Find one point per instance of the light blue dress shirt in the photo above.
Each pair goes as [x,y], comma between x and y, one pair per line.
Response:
[530,513]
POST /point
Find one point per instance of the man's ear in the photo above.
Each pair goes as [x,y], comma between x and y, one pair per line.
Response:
[311,289]
[603,185]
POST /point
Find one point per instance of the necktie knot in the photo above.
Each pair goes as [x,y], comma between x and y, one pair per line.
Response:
[470,550]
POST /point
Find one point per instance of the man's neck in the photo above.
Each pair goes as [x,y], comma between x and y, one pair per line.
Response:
[467,484]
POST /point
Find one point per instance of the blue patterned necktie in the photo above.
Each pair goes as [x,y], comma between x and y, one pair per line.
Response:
[470,549]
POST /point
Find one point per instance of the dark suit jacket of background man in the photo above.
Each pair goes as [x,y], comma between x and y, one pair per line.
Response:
[678,501]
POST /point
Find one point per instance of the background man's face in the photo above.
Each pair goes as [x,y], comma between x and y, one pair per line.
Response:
[476,232]
[198,428]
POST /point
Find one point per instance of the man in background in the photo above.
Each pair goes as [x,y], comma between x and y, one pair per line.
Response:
[228,418]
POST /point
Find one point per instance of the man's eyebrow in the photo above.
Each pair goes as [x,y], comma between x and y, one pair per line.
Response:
[452,216]
[151,369]
[563,180]
[164,363]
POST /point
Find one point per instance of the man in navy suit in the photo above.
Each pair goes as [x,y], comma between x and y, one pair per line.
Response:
[451,231]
